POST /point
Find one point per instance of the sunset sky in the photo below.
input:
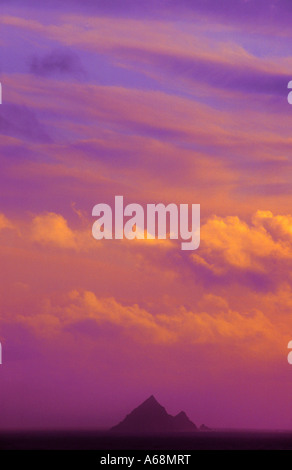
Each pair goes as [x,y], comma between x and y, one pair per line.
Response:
[158,101]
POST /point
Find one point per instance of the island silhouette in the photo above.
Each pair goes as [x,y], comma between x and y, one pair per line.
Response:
[149,427]
[151,417]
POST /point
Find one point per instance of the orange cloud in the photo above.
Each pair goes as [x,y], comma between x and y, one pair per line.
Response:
[5,223]
[221,326]
[187,313]
[244,246]
[52,229]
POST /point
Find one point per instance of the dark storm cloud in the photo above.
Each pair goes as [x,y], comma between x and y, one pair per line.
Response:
[58,61]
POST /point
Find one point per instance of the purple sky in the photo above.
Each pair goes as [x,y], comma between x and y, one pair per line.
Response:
[165,101]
